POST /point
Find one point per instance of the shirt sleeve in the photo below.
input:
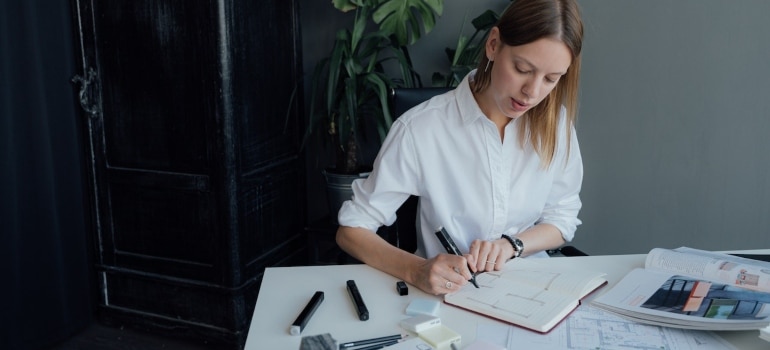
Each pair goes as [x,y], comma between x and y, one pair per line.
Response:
[563,203]
[393,179]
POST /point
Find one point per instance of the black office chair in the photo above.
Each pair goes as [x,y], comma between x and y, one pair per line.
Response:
[403,233]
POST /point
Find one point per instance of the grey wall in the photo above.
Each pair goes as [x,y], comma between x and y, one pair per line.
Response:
[674,125]
[674,120]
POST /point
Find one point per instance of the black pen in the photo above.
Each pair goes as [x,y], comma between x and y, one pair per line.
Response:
[451,248]
[378,346]
[386,339]
[307,312]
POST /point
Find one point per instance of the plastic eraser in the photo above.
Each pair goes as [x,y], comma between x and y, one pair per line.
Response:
[440,337]
[401,288]
[420,323]
[423,307]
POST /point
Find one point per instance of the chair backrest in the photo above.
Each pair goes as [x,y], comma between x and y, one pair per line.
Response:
[405,235]
[402,99]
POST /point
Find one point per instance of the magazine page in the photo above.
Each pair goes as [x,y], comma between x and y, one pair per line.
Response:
[673,300]
[725,256]
[717,267]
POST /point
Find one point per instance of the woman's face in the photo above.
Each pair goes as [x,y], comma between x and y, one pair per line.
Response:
[523,75]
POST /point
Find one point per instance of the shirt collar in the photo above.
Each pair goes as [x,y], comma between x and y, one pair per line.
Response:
[469,108]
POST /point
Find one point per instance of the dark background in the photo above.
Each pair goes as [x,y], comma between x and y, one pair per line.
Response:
[673,126]
[46,279]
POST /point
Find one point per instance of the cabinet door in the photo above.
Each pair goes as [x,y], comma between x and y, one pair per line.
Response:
[196,180]
[153,133]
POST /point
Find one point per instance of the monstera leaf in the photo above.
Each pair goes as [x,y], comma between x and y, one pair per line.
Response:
[346,5]
[401,18]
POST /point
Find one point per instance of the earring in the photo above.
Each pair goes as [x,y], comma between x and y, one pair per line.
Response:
[487,67]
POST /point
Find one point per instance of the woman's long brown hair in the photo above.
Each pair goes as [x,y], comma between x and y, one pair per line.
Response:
[526,21]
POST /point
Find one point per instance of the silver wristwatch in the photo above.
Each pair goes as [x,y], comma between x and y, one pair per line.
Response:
[518,245]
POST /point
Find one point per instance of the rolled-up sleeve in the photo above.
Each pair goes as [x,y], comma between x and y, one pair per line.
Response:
[563,204]
[376,198]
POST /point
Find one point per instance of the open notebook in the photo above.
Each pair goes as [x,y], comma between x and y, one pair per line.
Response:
[529,293]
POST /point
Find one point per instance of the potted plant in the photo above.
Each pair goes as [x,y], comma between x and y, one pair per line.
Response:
[350,87]
[465,56]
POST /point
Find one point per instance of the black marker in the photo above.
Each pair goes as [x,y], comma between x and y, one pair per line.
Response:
[451,248]
[363,312]
[304,316]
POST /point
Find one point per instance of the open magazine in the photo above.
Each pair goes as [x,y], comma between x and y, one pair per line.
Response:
[693,289]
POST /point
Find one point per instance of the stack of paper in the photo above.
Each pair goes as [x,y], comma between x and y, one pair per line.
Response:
[764,333]
[593,328]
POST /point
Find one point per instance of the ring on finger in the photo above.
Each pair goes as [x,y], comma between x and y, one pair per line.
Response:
[448,285]
[490,262]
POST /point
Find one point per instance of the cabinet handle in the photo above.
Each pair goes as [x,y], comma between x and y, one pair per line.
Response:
[86,95]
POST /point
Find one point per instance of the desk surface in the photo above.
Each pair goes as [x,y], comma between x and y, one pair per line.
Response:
[286,290]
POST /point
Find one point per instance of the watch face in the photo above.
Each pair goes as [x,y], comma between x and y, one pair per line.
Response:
[518,244]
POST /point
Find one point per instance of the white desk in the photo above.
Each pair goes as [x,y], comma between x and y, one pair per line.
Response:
[286,290]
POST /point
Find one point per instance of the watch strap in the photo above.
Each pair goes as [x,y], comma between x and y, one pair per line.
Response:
[517,244]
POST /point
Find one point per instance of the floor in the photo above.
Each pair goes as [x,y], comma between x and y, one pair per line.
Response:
[101,337]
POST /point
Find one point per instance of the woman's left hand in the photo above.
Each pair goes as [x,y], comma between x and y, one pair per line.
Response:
[488,255]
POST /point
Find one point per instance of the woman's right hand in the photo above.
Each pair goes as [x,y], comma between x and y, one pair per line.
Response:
[442,274]
[429,275]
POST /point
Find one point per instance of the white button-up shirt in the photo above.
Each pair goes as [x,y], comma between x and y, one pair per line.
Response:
[477,186]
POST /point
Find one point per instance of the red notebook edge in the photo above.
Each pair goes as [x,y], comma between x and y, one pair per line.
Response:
[579,302]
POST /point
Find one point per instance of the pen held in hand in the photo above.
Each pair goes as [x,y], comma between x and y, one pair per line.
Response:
[451,248]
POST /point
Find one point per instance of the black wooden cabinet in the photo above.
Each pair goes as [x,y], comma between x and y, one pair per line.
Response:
[195,178]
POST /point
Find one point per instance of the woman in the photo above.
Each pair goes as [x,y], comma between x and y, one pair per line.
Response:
[495,162]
